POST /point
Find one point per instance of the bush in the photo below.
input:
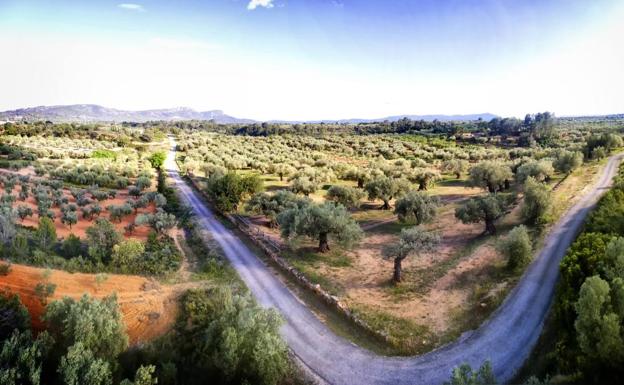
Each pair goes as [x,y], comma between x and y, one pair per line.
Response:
[516,247]
[228,336]
[228,191]
[5,268]
[537,202]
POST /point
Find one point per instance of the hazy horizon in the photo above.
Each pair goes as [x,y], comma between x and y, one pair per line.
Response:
[316,60]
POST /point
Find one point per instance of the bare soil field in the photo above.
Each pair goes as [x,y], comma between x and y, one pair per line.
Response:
[149,308]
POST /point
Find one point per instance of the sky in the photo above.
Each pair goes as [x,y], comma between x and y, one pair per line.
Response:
[316,59]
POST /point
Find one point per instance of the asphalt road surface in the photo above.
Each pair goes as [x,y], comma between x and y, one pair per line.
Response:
[506,339]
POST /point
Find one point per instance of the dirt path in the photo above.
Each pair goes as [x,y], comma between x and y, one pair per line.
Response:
[506,339]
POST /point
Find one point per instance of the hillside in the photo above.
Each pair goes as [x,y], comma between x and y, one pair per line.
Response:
[92,112]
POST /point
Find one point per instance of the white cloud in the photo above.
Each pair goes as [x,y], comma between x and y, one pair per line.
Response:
[131,7]
[253,4]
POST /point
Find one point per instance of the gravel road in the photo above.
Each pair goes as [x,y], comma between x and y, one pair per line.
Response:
[506,339]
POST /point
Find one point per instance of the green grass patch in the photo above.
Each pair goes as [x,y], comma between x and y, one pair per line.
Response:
[405,336]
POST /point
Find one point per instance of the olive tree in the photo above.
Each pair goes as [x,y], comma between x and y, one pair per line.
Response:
[567,161]
[416,207]
[24,211]
[455,167]
[491,175]
[386,189]
[69,218]
[537,202]
[483,209]
[424,177]
[161,221]
[304,185]
[347,196]
[282,170]
[271,205]
[415,240]
[319,222]
[540,170]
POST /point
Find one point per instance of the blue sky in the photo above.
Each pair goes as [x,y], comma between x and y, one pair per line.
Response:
[289,59]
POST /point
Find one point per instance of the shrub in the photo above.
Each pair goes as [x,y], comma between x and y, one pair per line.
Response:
[516,247]
[537,202]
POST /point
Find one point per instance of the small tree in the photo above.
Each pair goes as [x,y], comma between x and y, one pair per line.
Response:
[490,175]
[282,170]
[7,225]
[23,194]
[157,159]
[80,367]
[463,375]
[567,161]
[319,222]
[99,280]
[272,205]
[126,253]
[516,247]
[424,177]
[540,170]
[143,183]
[143,376]
[415,240]
[227,191]
[483,209]
[44,290]
[385,189]
[455,167]
[537,202]
[72,246]
[303,185]
[160,221]
[69,218]
[416,207]
[46,233]
[97,324]
[346,196]
[101,237]
[24,211]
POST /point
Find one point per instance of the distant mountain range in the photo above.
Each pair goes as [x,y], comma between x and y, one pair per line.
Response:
[95,113]
[429,118]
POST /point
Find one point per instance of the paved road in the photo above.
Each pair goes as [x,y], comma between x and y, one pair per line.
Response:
[506,339]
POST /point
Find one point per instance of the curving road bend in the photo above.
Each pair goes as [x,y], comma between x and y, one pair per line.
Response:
[506,339]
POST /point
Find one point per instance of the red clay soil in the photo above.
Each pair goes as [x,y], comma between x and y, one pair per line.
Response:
[148,308]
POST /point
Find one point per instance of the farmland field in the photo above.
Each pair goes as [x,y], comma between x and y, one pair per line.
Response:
[420,235]
[443,292]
